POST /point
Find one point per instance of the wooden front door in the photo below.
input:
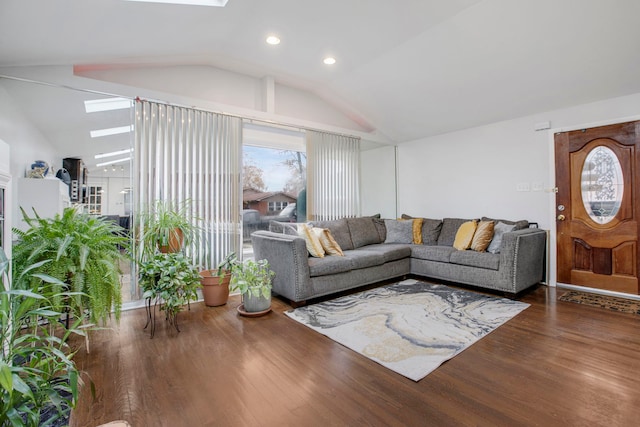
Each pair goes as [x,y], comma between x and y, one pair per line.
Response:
[597,176]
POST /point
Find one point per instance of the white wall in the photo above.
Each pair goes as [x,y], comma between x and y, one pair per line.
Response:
[476,172]
[229,89]
[378,182]
[26,141]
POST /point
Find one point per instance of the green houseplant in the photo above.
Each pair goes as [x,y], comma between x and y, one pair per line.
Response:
[38,379]
[215,283]
[253,280]
[165,226]
[171,280]
[83,253]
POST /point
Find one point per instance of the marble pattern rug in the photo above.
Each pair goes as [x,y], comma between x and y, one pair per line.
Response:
[410,327]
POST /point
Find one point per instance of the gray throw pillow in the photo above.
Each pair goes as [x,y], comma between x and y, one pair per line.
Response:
[449,229]
[496,243]
[363,231]
[398,231]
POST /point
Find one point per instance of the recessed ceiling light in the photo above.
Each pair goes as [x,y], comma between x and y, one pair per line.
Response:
[274,40]
[216,3]
[329,60]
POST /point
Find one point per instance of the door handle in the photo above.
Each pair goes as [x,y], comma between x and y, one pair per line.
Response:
[561,217]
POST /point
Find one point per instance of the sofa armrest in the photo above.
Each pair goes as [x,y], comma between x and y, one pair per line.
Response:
[288,258]
[522,258]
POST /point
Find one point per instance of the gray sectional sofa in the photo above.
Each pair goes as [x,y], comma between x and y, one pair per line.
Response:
[371,255]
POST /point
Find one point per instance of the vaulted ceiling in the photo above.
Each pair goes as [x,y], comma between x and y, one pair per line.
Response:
[408,68]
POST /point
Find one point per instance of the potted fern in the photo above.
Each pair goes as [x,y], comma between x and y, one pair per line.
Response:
[215,283]
[166,226]
[83,253]
[253,280]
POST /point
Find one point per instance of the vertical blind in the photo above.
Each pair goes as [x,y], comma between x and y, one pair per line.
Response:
[333,176]
[191,157]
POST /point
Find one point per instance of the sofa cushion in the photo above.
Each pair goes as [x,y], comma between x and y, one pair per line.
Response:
[311,239]
[363,231]
[339,230]
[432,253]
[450,227]
[399,231]
[329,244]
[476,259]
[498,230]
[482,236]
[352,260]
[382,230]
[430,229]
[464,235]
[329,265]
[518,225]
[391,251]
[417,230]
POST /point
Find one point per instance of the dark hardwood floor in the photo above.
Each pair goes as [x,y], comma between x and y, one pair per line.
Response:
[555,364]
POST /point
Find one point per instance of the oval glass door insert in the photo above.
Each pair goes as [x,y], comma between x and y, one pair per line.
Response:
[602,184]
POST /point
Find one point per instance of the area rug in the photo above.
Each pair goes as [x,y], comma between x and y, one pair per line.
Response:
[410,327]
[604,301]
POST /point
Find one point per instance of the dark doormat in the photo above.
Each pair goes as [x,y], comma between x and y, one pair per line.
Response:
[622,305]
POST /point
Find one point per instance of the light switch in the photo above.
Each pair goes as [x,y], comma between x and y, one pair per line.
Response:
[523,186]
[537,186]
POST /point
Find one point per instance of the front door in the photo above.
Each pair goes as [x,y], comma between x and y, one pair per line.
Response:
[597,175]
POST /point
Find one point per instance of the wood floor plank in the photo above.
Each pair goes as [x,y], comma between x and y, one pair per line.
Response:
[556,363]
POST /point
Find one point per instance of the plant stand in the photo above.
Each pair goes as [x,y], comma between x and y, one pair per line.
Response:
[151,315]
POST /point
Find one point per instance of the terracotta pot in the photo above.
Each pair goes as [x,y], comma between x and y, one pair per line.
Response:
[214,290]
[176,240]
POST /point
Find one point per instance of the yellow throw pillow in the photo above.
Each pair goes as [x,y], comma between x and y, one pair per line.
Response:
[464,235]
[417,229]
[483,236]
[313,243]
[329,244]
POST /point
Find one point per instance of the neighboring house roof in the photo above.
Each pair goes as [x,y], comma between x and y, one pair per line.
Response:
[253,195]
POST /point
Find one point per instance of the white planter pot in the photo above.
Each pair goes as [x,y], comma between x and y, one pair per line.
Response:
[253,304]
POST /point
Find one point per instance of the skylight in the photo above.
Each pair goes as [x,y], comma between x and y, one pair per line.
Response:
[113,153]
[106,104]
[111,162]
[111,131]
[216,3]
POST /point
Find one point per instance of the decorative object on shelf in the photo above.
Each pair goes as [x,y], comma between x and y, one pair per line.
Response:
[39,169]
[215,283]
[168,279]
[253,280]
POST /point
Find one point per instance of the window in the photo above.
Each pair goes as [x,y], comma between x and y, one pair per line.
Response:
[95,200]
[277,206]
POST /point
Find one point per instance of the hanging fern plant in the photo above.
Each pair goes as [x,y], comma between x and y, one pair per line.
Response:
[84,254]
